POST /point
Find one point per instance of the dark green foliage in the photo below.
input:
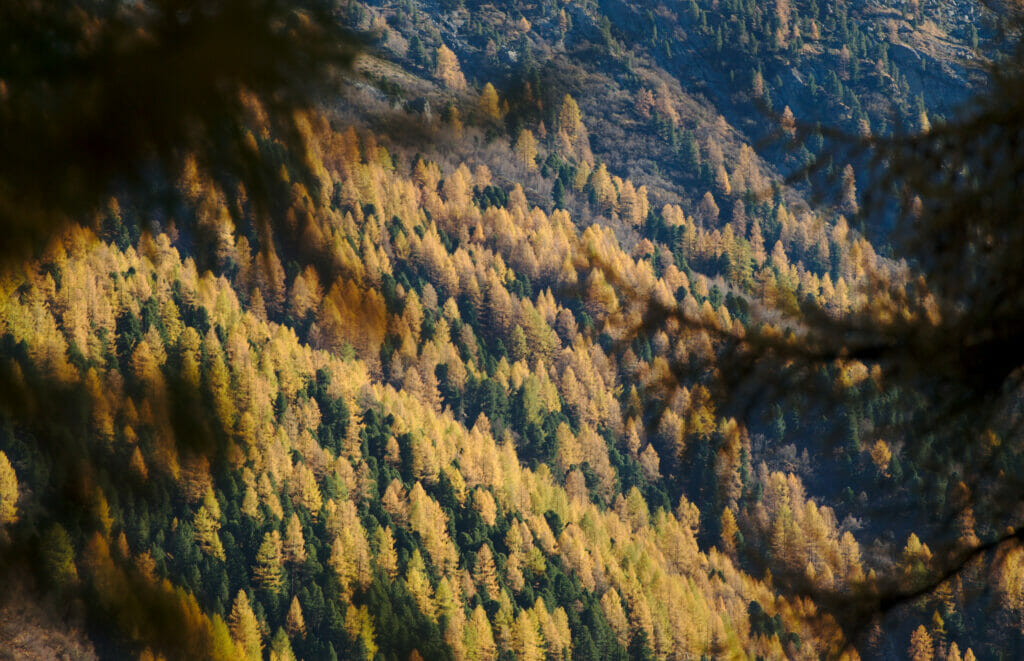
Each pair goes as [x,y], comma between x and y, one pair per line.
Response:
[593,638]
[407,629]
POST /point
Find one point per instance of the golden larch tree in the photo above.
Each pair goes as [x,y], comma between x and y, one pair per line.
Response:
[921,647]
[484,572]
[8,491]
[295,622]
[489,104]
[570,120]
[526,150]
[447,69]
[245,628]
[479,638]
[268,570]
[294,544]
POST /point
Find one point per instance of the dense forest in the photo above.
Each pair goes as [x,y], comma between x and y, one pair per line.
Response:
[460,378]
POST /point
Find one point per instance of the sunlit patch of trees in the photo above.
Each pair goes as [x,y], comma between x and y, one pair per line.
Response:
[432,438]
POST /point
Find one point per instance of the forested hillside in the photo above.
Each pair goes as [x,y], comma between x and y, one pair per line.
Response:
[450,384]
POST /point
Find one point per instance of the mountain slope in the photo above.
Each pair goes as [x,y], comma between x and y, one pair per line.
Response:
[411,414]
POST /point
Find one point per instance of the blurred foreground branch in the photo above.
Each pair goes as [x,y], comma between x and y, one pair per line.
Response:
[103,95]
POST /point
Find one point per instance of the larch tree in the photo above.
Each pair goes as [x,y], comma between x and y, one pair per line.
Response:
[8,491]
[447,69]
[729,532]
[386,558]
[664,105]
[489,103]
[281,647]
[708,210]
[484,572]
[417,580]
[251,505]
[527,643]
[602,190]
[611,604]
[295,623]
[305,491]
[526,150]
[341,562]
[218,381]
[757,85]
[294,547]
[206,528]
[245,628]
[138,464]
[570,120]
[268,496]
[484,504]
[848,204]
[921,647]
[782,13]
[359,625]
[788,123]
[268,570]
[479,638]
